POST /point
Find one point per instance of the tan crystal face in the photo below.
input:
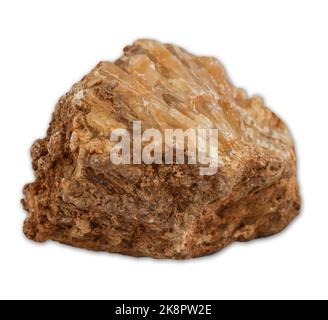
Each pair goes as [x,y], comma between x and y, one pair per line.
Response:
[166,87]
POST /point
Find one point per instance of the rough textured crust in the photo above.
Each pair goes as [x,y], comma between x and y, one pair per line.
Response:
[163,211]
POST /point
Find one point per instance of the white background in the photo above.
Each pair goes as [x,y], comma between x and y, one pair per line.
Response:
[278,49]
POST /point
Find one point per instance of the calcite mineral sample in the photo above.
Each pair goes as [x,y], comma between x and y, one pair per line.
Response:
[81,198]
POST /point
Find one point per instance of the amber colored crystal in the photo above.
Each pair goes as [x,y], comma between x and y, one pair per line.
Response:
[164,211]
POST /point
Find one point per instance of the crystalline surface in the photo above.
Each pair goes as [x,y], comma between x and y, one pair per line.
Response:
[163,211]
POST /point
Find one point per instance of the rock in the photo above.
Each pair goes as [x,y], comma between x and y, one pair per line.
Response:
[82,199]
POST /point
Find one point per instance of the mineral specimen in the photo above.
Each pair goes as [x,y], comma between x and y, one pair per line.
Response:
[82,199]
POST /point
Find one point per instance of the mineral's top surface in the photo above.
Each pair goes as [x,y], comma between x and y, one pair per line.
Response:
[164,211]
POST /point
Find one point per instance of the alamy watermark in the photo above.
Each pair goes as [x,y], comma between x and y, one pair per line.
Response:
[169,146]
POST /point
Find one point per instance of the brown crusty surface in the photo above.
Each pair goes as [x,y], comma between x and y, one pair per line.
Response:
[163,211]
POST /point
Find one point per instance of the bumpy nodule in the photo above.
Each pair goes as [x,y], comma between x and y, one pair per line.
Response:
[82,199]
